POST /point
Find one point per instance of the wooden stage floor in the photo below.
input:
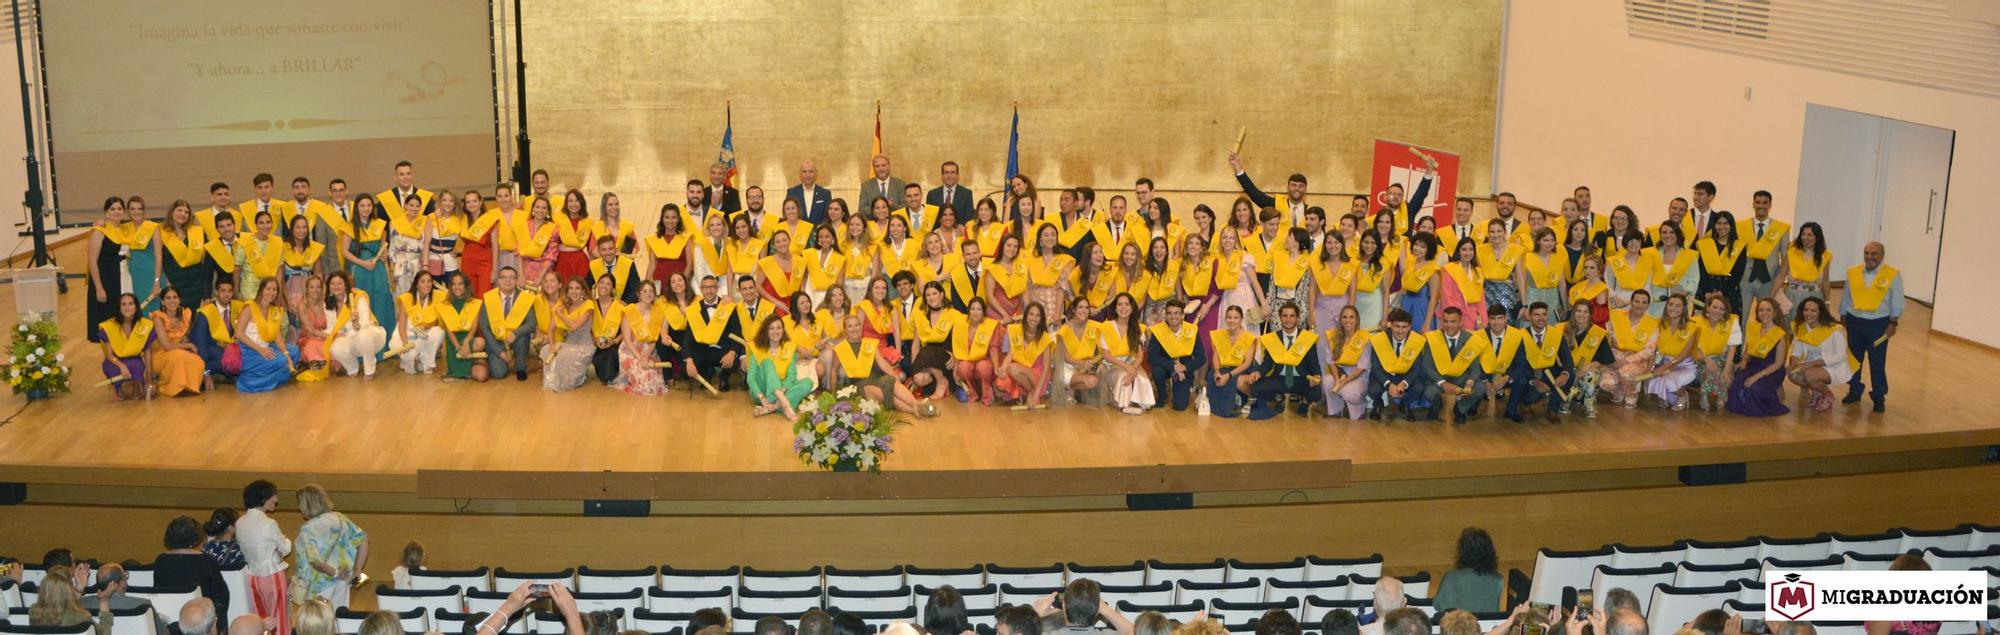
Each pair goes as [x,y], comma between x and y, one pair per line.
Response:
[383,432]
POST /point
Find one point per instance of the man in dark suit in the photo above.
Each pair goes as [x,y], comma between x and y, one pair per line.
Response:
[1277,379]
[811,197]
[882,185]
[1176,358]
[712,351]
[1395,376]
[951,195]
[1541,370]
[720,193]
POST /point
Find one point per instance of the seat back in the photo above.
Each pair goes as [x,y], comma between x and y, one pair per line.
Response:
[1823,564]
[1248,612]
[1244,592]
[673,579]
[1856,561]
[658,621]
[1033,576]
[448,622]
[139,575]
[1951,560]
[590,580]
[986,598]
[506,581]
[878,620]
[1280,590]
[239,587]
[971,577]
[466,580]
[1182,612]
[1705,575]
[1606,578]
[1290,571]
[1162,593]
[167,601]
[1024,595]
[1983,537]
[624,603]
[869,600]
[1120,575]
[1557,570]
[688,601]
[773,580]
[1748,610]
[1712,553]
[1920,540]
[779,602]
[1646,557]
[477,601]
[1812,548]
[23,629]
[138,621]
[1673,606]
[1867,544]
[1322,569]
[349,621]
[864,579]
[426,600]
[1316,608]
[1177,572]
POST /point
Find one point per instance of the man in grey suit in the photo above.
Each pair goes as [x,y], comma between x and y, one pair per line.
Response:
[1760,273]
[884,185]
[111,586]
[811,197]
[508,352]
[951,195]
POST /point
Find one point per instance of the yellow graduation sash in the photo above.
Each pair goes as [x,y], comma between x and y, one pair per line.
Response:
[807,336]
[532,244]
[1806,269]
[1368,278]
[1116,343]
[1816,335]
[784,283]
[1629,337]
[1012,278]
[935,327]
[1499,266]
[505,321]
[1714,338]
[1471,284]
[480,229]
[1164,285]
[1264,250]
[876,316]
[667,248]
[1587,290]
[1275,349]
[459,319]
[125,344]
[1452,365]
[599,230]
[571,231]
[561,326]
[1673,343]
[1545,271]
[1391,361]
[1024,352]
[1079,345]
[220,330]
[1760,248]
[1496,360]
[857,364]
[390,201]
[187,249]
[705,330]
[1417,273]
[374,230]
[1177,342]
[1585,348]
[302,259]
[1228,269]
[782,357]
[265,255]
[621,272]
[270,326]
[224,255]
[1714,261]
[751,322]
[743,255]
[406,227]
[420,315]
[646,321]
[1231,350]
[118,234]
[608,320]
[1758,341]
[1044,273]
[1350,351]
[1544,355]
[1286,270]
[1199,280]
[988,236]
[1669,274]
[970,343]
[1635,274]
[1866,294]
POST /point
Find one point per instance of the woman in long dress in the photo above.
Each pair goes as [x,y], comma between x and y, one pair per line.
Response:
[478,243]
[1819,354]
[1236,280]
[1462,285]
[269,358]
[1498,259]
[368,259]
[535,241]
[127,339]
[1124,344]
[183,261]
[1048,269]
[1804,274]
[142,255]
[1721,336]
[1198,273]
[568,366]
[1289,284]
[1372,279]
[1544,276]
[107,264]
[640,333]
[301,259]
[1758,388]
[458,314]
[175,361]
[331,550]
[408,242]
[1722,261]
[309,332]
[1673,265]
[572,233]
[1631,270]
[1419,279]
[441,249]
[1346,381]
[1678,352]
[668,246]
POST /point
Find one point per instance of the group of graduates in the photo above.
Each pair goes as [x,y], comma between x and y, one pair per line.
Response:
[926,295]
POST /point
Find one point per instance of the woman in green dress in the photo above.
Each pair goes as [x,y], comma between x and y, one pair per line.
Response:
[459,315]
[184,261]
[142,263]
[774,381]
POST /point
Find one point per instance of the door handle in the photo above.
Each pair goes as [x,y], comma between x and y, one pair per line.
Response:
[1930,212]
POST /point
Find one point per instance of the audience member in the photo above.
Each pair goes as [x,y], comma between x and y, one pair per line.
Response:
[58,604]
[944,612]
[412,560]
[818,622]
[1008,620]
[197,618]
[332,549]
[112,583]
[1277,622]
[222,546]
[1474,583]
[183,564]
[1388,598]
[1405,621]
[1459,622]
[1152,623]
[312,617]
[1339,622]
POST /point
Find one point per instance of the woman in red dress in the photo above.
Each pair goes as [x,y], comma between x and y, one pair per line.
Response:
[572,230]
[668,246]
[475,257]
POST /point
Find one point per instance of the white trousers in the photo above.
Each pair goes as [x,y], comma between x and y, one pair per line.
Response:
[423,358]
[356,348]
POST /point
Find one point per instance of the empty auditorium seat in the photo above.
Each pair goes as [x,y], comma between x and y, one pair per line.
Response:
[1983,536]
[1625,556]
[741,616]
[1557,570]
[1952,560]
[1209,592]
[1280,590]
[1024,595]
[348,621]
[1428,607]
[504,580]
[1162,593]
[624,602]
[1675,605]
[1121,575]
[1416,585]
[986,597]
[1809,548]
[142,575]
[1749,610]
[1829,563]
[167,600]
[477,601]
[466,580]
[967,578]
[982,619]
[1182,612]
[1716,574]
[590,580]
[1487,621]
[1247,612]
[239,587]
[134,621]
[1177,572]
[755,579]
[1318,568]
[1030,576]
[1727,552]
[865,579]
[878,620]
[689,600]
[653,621]
[426,600]
[1751,591]
[778,602]
[1291,570]
[1856,561]
[11,628]
[1867,544]
[673,579]
[874,601]
[1605,578]
[1920,540]
[444,621]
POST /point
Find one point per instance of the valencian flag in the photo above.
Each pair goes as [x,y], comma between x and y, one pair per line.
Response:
[728,155]
[1013,150]
[878,130]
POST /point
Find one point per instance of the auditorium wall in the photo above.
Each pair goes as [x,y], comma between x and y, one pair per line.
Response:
[629,95]
[1641,121]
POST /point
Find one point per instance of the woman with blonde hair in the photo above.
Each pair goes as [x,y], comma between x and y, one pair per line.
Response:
[331,550]
[313,617]
[57,603]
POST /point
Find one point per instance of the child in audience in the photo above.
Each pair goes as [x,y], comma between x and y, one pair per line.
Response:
[413,560]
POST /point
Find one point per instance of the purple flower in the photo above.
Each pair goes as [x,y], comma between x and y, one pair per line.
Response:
[882,444]
[837,435]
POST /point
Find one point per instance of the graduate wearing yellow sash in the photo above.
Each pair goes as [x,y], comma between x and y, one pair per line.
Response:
[1175,356]
[1395,378]
[1588,356]
[127,340]
[1542,372]
[711,352]
[1820,355]
[1291,367]
[1765,241]
[1679,354]
[1457,381]
[1635,340]
[1497,358]
[1870,309]
[508,320]
[1236,353]
[1721,261]
[1756,390]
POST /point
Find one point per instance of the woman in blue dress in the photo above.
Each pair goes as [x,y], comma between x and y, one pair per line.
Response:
[269,356]
[368,261]
[142,259]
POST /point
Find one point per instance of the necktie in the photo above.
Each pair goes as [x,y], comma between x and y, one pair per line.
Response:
[1294,369]
[1451,343]
[1760,230]
[1538,338]
[1397,345]
[508,306]
[1760,270]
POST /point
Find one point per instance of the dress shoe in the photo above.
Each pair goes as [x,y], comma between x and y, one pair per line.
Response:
[520,375]
[1853,396]
[1879,407]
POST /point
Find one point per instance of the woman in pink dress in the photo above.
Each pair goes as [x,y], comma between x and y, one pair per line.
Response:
[1462,285]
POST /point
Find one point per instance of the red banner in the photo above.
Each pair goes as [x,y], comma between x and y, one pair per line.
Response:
[1396,163]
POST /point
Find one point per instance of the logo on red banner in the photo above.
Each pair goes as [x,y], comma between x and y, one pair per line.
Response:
[1396,163]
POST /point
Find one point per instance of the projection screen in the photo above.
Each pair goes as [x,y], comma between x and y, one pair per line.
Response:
[159,99]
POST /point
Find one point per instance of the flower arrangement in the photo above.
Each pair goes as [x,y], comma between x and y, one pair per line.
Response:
[35,363]
[844,431]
